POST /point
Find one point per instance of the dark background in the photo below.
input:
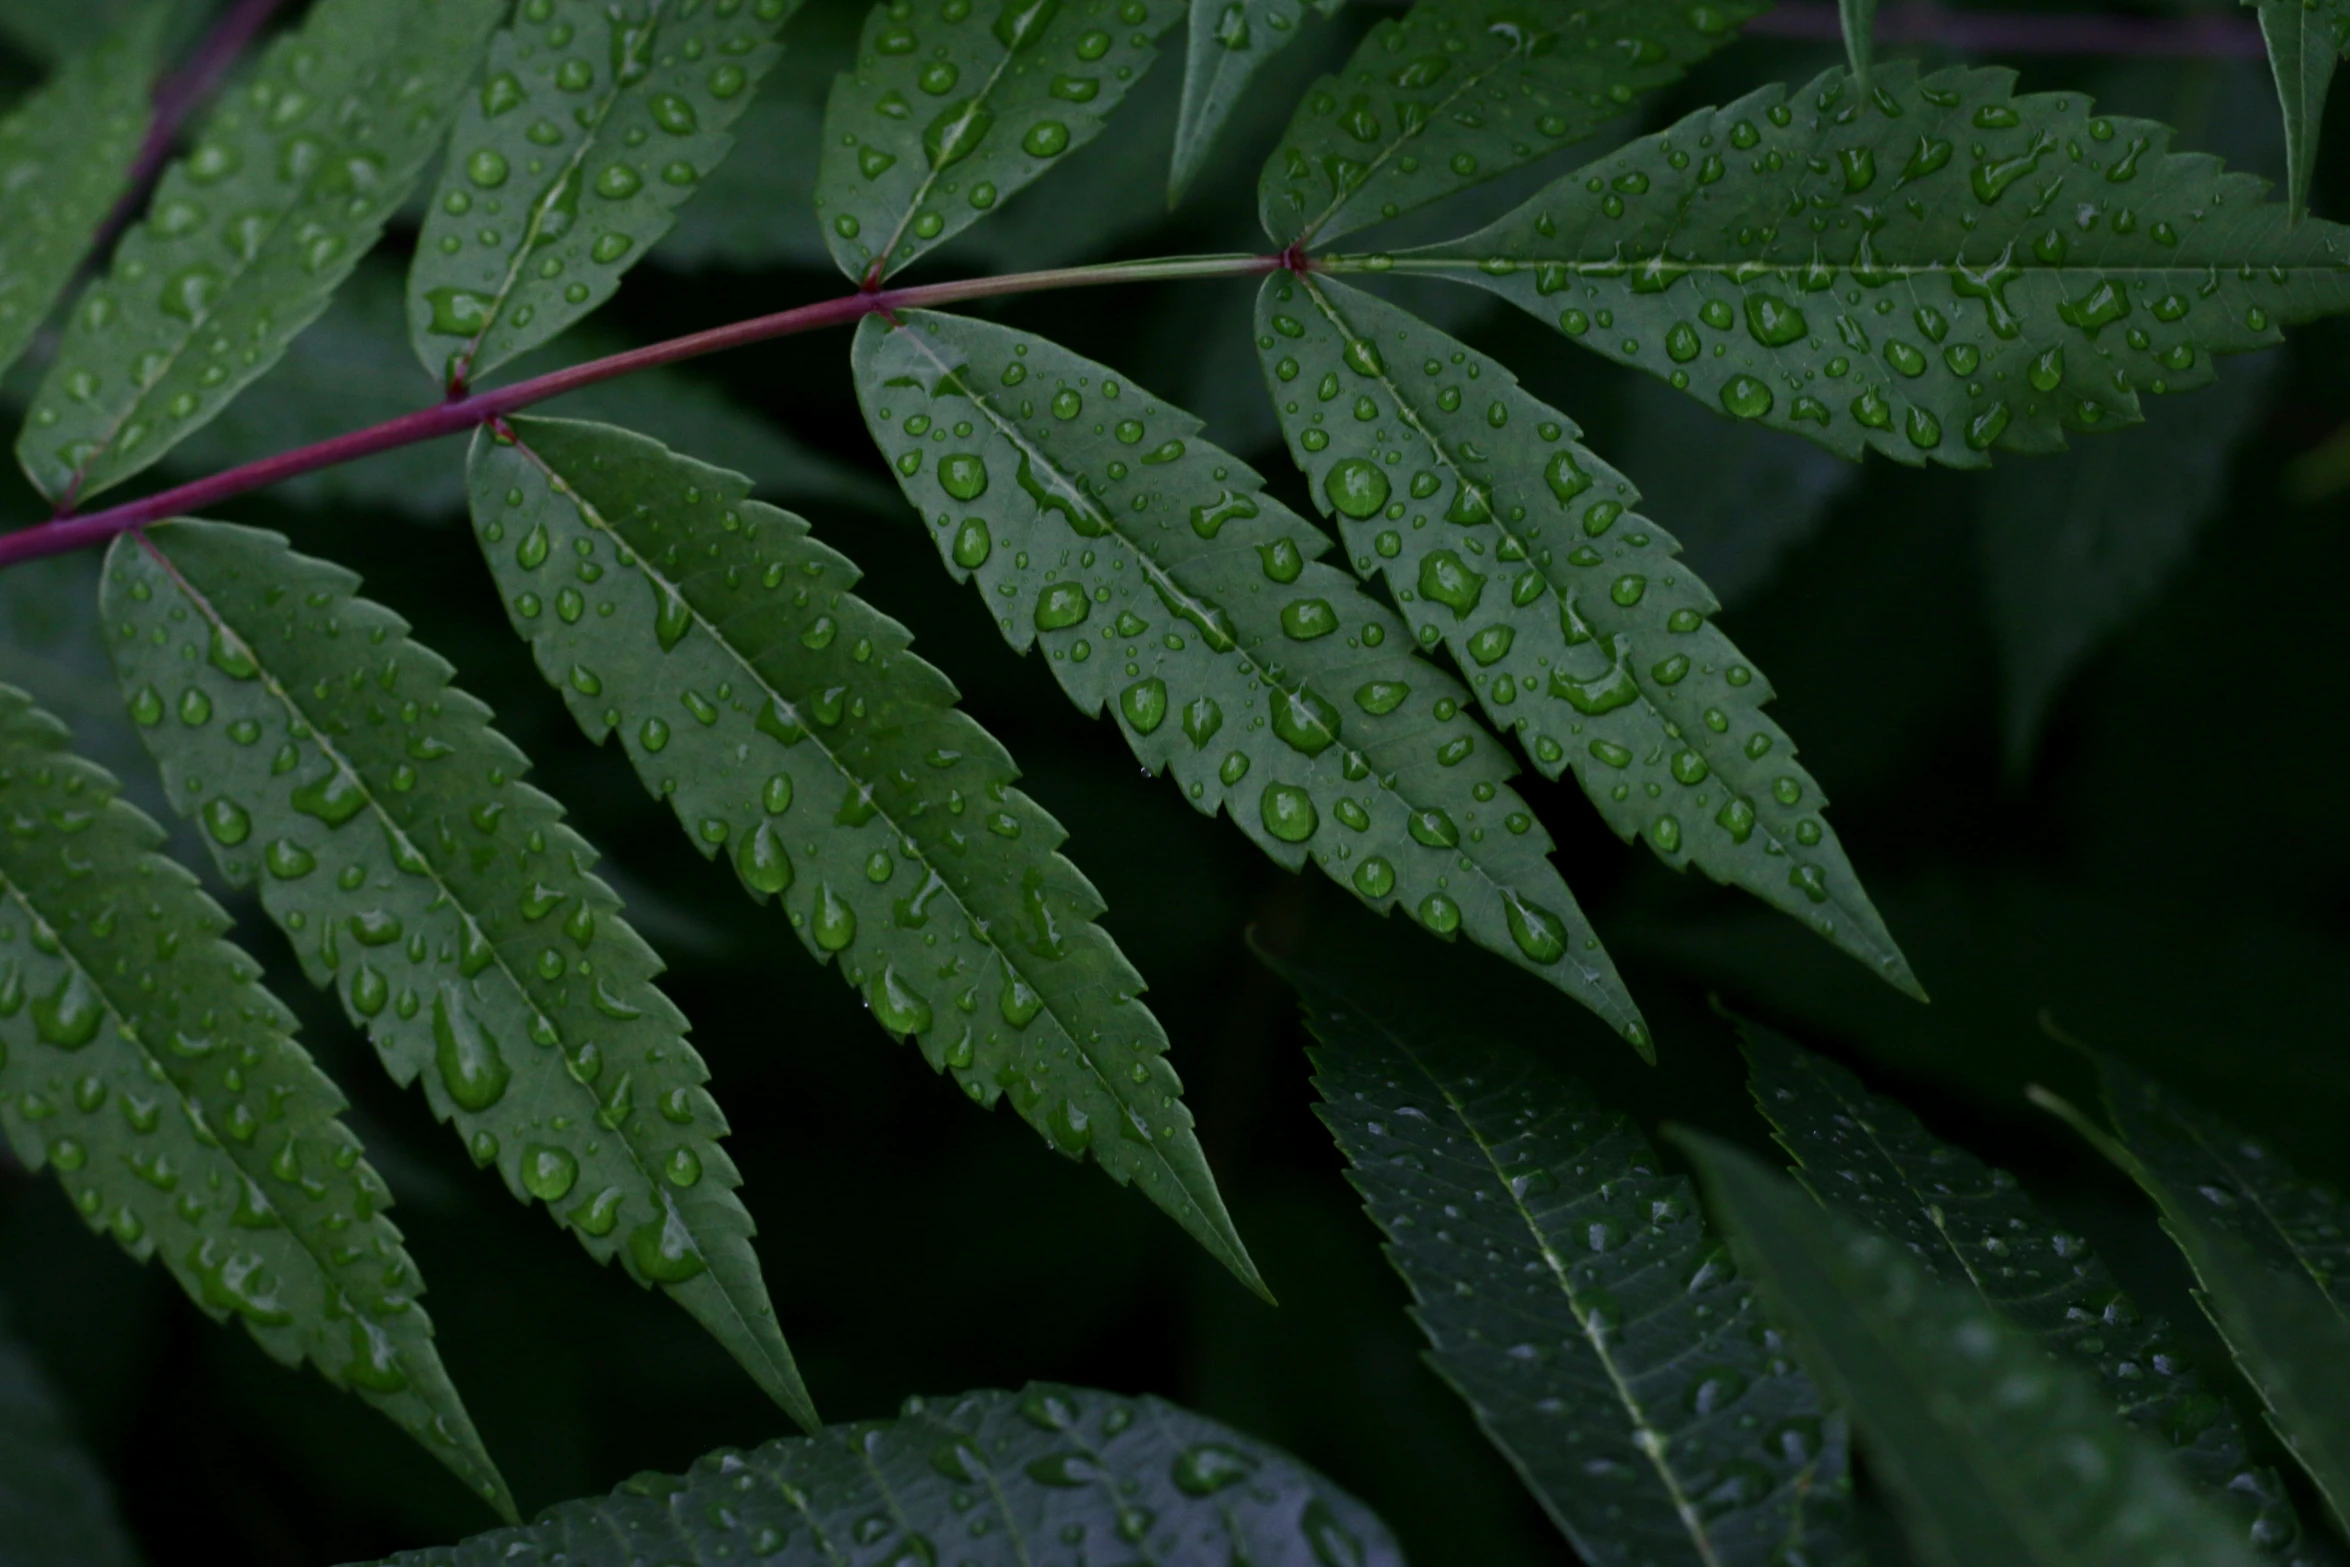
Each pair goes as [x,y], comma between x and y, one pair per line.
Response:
[2142,839]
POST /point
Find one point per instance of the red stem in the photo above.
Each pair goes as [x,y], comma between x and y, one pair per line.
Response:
[462,414]
[179,94]
[1983,32]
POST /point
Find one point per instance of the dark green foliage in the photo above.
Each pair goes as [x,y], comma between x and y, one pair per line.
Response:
[1231,40]
[1572,1294]
[743,676]
[56,1509]
[288,185]
[1046,1477]
[1927,309]
[330,761]
[1994,1452]
[141,1062]
[1972,1227]
[1269,684]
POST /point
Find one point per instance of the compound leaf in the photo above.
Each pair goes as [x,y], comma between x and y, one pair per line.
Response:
[1974,270]
[1993,1451]
[2306,41]
[790,725]
[1231,40]
[64,156]
[951,107]
[1165,585]
[1455,92]
[1047,1477]
[1972,1227]
[1571,1293]
[2271,1250]
[143,1062]
[1512,544]
[592,125]
[331,763]
[290,181]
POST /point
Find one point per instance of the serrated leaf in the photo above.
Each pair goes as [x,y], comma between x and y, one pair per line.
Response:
[1231,40]
[1970,1226]
[1270,684]
[289,183]
[2272,1252]
[1456,92]
[591,125]
[332,765]
[952,107]
[65,153]
[141,1060]
[2076,546]
[1511,543]
[1992,1451]
[1571,1292]
[1974,270]
[56,1509]
[352,369]
[2306,40]
[1050,1476]
[791,726]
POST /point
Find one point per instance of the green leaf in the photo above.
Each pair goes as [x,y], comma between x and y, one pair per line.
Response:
[1047,1477]
[289,183]
[2076,546]
[1231,40]
[1451,94]
[352,370]
[331,763]
[1273,686]
[1993,1451]
[56,1509]
[952,107]
[1967,1225]
[2271,1250]
[2306,40]
[142,1061]
[1566,609]
[790,725]
[65,154]
[592,124]
[1974,270]
[1570,1291]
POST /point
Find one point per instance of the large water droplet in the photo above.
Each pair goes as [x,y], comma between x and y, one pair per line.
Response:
[467,1054]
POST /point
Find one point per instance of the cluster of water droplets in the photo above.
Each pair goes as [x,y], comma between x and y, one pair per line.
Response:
[1933,269]
[956,104]
[591,126]
[329,761]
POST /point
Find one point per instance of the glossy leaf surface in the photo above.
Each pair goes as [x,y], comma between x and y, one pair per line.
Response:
[1046,1477]
[64,155]
[1975,270]
[1506,540]
[1993,1451]
[1231,40]
[2272,1252]
[1455,92]
[591,125]
[143,1063]
[1970,1226]
[1166,586]
[333,766]
[791,727]
[952,106]
[289,183]
[1571,1293]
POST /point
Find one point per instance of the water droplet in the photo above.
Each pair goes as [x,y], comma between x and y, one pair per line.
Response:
[1357,488]
[227,821]
[963,475]
[1288,813]
[548,1173]
[467,1054]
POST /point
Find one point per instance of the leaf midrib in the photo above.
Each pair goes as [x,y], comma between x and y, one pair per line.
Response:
[319,735]
[1159,578]
[1656,1453]
[1408,138]
[983,928]
[930,178]
[589,134]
